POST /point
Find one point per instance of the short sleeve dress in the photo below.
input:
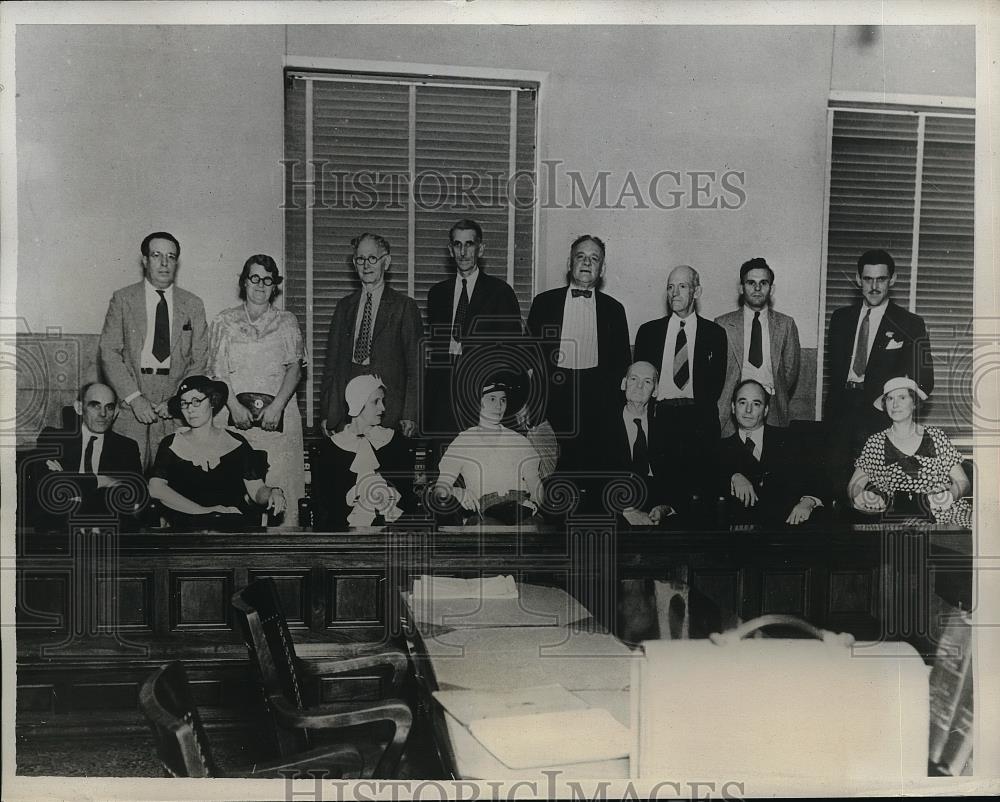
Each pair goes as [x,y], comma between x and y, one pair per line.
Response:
[221,483]
[252,356]
[894,472]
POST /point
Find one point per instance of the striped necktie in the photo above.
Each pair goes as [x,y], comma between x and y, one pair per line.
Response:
[681,370]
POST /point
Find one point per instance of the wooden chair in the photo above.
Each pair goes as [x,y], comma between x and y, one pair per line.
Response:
[165,699]
[272,651]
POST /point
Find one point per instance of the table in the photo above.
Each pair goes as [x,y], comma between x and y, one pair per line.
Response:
[479,653]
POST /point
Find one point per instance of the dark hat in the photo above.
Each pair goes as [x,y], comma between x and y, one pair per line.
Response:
[495,383]
[217,393]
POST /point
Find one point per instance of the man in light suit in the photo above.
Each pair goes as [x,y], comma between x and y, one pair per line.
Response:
[475,330]
[763,345]
[86,454]
[583,338]
[691,354]
[869,343]
[154,335]
[373,330]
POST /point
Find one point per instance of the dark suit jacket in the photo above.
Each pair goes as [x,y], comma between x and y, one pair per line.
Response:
[709,356]
[395,356]
[781,477]
[119,459]
[545,322]
[911,356]
[615,459]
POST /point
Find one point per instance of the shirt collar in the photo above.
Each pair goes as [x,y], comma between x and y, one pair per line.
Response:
[152,291]
[87,434]
[757,435]
[748,312]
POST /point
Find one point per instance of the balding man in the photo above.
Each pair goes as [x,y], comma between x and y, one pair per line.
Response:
[690,352]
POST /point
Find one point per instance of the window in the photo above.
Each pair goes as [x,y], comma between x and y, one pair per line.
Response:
[403,157]
[901,178]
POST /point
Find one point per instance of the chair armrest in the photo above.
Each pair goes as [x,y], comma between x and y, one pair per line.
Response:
[395,659]
[344,759]
[350,715]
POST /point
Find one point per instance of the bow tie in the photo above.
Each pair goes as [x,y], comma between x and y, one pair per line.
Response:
[585,293]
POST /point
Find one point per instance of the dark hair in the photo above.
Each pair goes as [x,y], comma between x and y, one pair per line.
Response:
[757,263]
[269,265]
[217,393]
[584,238]
[381,242]
[876,257]
[744,383]
[82,393]
[466,224]
[144,247]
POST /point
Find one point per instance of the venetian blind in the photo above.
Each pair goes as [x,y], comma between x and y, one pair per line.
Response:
[902,180]
[404,158]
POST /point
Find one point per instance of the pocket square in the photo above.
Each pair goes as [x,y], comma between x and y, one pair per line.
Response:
[186,326]
[893,345]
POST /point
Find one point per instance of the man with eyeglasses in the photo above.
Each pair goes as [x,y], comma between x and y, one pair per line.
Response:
[373,330]
[763,345]
[870,342]
[154,335]
[475,327]
[583,338]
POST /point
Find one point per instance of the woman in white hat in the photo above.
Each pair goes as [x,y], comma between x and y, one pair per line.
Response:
[363,474]
[909,463]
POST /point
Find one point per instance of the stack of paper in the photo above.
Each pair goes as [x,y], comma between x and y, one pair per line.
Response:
[450,587]
[533,606]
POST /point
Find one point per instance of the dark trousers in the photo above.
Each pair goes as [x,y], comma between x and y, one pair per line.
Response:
[852,420]
[575,409]
[688,453]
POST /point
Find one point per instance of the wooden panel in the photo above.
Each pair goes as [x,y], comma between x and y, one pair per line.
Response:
[42,602]
[104,695]
[36,698]
[355,598]
[293,593]
[785,592]
[200,600]
[715,601]
[132,600]
[851,592]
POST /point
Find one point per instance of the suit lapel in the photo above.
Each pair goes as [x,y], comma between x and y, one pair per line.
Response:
[385,307]
[776,334]
[735,333]
[178,319]
[476,300]
[137,315]
[878,343]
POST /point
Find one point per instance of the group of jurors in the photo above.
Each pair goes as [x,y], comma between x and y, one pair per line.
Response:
[520,420]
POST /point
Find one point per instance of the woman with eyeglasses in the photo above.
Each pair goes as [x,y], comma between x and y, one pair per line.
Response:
[257,351]
[207,477]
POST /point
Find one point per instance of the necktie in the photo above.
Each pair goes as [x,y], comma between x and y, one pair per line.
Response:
[577,293]
[161,330]
[88,455]
[756,348]
[749,444]
[458,326]
[861,351]
[640,450]
[363,346]
[681,371]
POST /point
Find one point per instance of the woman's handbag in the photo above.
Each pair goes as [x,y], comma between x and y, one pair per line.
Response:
[822,708]
[257,403]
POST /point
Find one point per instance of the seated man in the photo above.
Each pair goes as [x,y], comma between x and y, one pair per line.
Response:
[763,474]
[92,459]
[497,467]
[633,448]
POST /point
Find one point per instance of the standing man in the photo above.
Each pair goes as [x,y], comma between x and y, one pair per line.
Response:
[583,335]
[474,320]
[870,342]
[373,330]
[691,353]
[154,335]
[763,345]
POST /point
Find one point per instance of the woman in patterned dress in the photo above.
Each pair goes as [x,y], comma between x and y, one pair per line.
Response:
[909,465]
[257,349]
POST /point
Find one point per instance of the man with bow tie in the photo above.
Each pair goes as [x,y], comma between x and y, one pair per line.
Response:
[764,475]
[583,340]
[154,335]
[869,343]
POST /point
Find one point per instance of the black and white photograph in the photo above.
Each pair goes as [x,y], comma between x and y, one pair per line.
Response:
[499,400]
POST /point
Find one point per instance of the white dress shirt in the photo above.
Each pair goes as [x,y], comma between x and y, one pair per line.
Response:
[667,388]
[146,359]
[765,373]
[578,345]
[757,436]
[632,431]
[874,321]
[85,435]
[376,299]
[455,347]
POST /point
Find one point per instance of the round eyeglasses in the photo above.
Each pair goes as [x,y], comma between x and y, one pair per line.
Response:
[193,402]
[371,261]
[267,281]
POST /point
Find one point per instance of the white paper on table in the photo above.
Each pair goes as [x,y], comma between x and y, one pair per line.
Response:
[468,706]
[450,587]
[535,606]
[544,739]
[637,517]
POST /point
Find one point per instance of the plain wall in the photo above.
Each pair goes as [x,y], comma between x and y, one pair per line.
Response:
[125,130]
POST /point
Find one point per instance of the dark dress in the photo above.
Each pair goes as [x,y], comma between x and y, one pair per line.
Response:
[221,484]
[333,477]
